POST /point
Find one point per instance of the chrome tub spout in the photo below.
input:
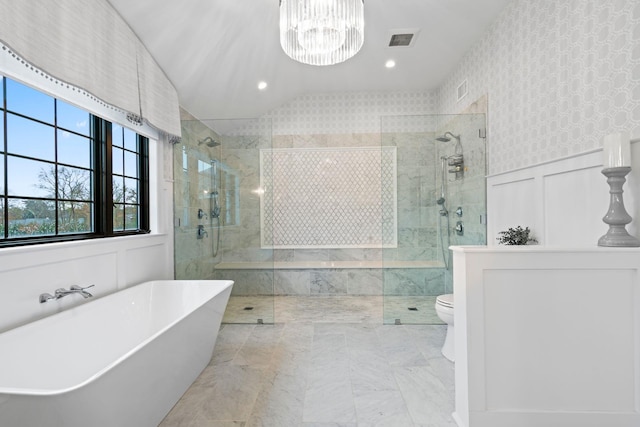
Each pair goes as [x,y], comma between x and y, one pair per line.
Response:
[62,292]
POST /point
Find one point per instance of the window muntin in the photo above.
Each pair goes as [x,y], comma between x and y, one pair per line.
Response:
[127,179]
[53,182]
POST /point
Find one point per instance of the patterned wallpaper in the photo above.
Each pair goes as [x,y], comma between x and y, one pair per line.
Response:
[559,76]
[349,112]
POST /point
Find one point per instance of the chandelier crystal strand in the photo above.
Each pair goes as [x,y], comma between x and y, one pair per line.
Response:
[321,32]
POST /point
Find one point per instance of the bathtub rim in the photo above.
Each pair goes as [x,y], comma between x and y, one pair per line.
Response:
[43,392]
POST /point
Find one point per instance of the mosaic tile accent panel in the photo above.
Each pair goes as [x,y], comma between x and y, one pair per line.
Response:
[328,197]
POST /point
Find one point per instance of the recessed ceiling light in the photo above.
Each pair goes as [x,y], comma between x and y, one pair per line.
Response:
[262,85]
[390,63]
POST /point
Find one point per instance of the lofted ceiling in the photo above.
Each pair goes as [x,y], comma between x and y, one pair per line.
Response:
[216,51]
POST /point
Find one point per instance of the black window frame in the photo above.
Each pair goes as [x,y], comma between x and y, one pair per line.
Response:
[102,215]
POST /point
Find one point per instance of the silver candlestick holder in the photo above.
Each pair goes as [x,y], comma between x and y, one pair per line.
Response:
[617,216]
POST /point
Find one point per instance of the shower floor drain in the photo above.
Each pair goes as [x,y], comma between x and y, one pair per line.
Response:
[248,308]
[413,308]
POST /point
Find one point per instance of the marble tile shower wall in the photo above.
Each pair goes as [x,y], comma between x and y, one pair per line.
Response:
[559,76]
[470,191]
[193,257]
[416,230]
[415,192]
[415,226]
[241,241]
[417,221]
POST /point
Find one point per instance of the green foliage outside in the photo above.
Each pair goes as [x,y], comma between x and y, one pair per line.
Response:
[37,217]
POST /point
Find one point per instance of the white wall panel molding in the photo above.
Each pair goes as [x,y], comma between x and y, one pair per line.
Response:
[562,201]
[109,264]
[536,343]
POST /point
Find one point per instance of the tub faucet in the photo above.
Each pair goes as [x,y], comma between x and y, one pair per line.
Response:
[81,290]
[62,292]
[75,289]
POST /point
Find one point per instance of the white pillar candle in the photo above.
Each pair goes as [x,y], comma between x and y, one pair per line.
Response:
[617,150]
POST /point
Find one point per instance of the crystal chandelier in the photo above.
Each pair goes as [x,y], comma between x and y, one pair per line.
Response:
[321,32]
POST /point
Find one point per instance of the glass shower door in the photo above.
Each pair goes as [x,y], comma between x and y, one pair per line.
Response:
[217,213]
[430,208]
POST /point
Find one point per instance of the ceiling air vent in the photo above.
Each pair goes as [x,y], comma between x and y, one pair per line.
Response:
[404,37]
[400,40]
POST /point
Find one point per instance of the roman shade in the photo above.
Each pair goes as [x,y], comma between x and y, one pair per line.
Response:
[86,44]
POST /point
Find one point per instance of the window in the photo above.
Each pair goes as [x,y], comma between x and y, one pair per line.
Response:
[66,174]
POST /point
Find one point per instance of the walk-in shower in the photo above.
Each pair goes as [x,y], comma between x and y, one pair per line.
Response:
[397,181]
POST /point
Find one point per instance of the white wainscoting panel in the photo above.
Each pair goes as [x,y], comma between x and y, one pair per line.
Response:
[574,203]
[512,203]
[561,201]
[109,264]
[544,330]
[547,336]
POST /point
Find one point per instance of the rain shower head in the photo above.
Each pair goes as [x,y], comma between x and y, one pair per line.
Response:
[209,142]
[445,138]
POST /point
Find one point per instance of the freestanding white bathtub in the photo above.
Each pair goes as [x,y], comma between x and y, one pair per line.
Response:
[121,360]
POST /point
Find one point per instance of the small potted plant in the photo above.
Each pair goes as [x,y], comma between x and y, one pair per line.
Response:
[516,236]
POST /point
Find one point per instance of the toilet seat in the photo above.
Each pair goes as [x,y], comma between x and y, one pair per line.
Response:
[445,300]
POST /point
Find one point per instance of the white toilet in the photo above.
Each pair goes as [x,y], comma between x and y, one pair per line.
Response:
[444,309]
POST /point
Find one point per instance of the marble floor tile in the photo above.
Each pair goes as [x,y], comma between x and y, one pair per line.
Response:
[381,408]
[427,399]
[329,425]
[231,338]
[280,402]
[400,347]
[332,309]
[401,308]
[311,372]
[329,401]
[259,346]
[231,394]
[370,371]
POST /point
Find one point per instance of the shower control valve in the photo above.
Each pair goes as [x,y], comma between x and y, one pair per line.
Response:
[459,228]
[201,232]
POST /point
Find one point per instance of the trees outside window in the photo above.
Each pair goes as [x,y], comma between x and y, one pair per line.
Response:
[66,174]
